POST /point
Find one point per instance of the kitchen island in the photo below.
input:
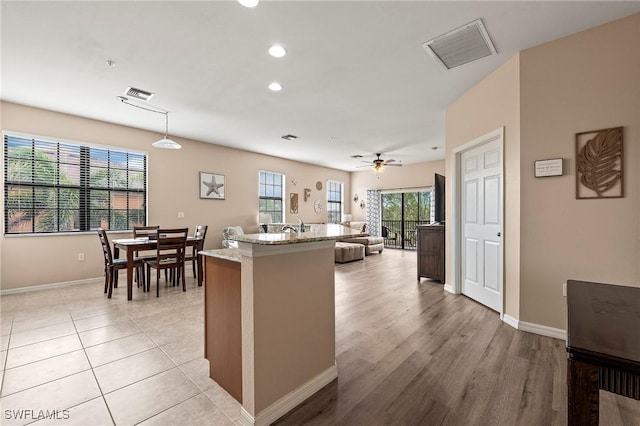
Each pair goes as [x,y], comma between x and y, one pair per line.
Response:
[270,319]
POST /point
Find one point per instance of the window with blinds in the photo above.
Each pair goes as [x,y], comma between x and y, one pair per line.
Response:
[52,187]
[334,201]
[270,192]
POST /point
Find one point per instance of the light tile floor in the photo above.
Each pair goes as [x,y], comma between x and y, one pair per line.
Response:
[74,355]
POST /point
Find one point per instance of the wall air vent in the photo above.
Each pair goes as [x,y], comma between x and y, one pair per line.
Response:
[142,95]
[461,46]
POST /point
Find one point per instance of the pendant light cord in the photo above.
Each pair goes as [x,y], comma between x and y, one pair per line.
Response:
[166,113]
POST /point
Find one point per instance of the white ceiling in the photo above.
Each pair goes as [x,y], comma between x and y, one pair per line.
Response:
[356,79]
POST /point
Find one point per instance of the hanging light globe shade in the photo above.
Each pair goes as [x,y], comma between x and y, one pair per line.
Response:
[166,143]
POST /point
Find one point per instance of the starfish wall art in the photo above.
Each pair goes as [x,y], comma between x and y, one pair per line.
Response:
[212,186]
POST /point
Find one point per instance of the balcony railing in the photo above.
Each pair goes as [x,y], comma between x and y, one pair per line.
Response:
[399,236]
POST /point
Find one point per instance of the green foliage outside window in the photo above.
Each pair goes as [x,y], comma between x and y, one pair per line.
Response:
[56,187]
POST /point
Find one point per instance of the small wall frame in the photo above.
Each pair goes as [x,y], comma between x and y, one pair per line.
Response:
[545,168]
[599,164]
[212,186]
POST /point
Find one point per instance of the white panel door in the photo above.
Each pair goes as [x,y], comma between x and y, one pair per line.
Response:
[481,206]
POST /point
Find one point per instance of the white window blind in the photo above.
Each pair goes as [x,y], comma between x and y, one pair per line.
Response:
[52,186]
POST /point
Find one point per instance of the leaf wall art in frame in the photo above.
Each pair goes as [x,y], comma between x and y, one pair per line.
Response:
[293,202]
[599,164]
[212,186]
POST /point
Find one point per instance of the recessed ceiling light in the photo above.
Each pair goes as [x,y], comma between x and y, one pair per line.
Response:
[249,3]
[276,87]
[277,51]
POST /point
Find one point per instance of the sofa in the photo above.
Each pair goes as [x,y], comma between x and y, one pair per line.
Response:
[371,243]
[228,233]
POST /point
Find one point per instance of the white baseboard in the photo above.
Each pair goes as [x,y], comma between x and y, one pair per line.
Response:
[556,333]
[49,286]
[290,400]
[510,321]
[449,288]
[543,330]
[245,418]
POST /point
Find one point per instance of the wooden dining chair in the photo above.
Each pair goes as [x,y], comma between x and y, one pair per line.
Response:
[112,266]
[170,255]
[151,232]
[146,232]
[199,233]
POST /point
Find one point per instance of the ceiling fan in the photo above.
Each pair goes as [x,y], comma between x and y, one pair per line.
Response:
[379,164]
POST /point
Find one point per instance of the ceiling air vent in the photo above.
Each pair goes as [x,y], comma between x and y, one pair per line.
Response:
[461,46]
[143,95]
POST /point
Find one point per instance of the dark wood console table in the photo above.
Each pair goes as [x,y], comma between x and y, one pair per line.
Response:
[603,346]
[430,251]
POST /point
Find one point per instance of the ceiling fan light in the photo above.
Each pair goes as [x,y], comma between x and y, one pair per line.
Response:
[166,143]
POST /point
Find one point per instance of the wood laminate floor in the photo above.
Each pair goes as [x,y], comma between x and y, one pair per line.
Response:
[409,353]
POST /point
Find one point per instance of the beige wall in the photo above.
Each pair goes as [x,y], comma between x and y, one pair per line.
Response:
[587,81]
[491,104]
[409,176]
[173,187]
[542,97]
[292,331]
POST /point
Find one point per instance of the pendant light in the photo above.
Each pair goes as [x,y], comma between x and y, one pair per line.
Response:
[166,143]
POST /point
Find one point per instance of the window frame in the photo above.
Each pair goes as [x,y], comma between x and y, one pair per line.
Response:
[282,198]
[136,167]
[330,202]
[403,226]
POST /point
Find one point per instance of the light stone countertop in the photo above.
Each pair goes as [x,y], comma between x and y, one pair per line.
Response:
[316,233]
[231,254]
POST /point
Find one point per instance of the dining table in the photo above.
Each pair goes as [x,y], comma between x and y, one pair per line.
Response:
[133,245]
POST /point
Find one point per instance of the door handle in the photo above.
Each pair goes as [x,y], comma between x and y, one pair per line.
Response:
[499,234]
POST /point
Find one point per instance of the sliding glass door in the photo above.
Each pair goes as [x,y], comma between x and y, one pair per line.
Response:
[401,213]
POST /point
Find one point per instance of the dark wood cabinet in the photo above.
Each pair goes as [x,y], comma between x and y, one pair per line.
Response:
[223,323]
[431,252]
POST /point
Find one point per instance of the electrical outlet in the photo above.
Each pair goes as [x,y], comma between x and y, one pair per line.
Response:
[564,289]
[180,215]
[81,257]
